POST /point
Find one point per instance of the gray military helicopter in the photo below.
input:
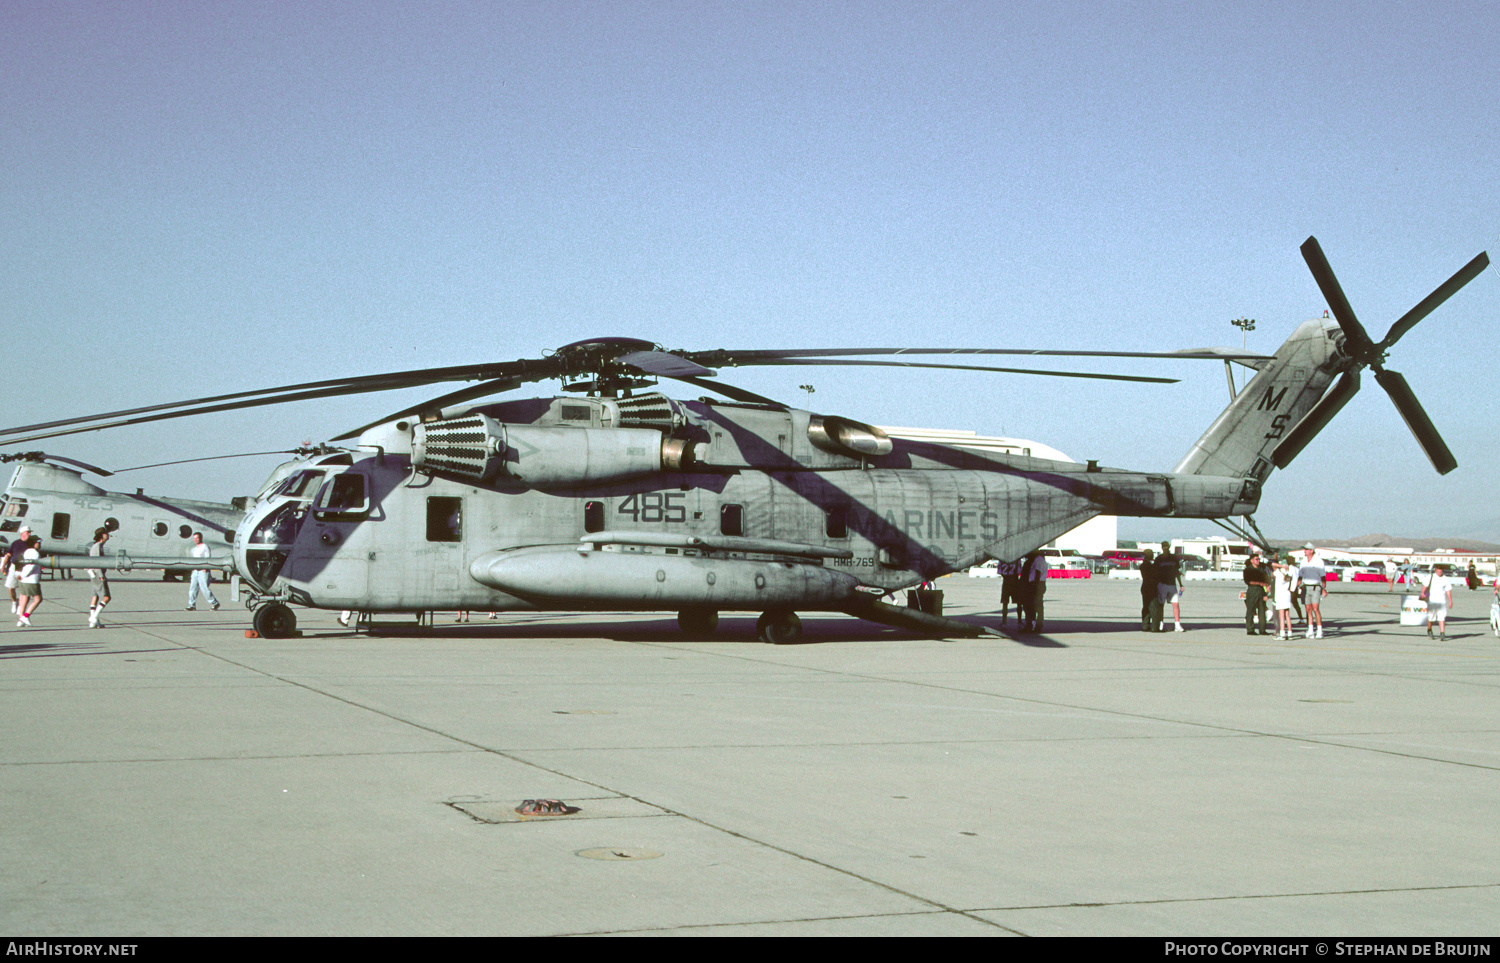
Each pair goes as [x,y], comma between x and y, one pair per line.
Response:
[49,493]
[613,498]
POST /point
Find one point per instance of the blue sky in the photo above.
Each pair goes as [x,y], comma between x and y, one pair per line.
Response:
[212,197]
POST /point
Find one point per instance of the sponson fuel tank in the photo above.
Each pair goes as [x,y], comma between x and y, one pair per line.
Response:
[641,580]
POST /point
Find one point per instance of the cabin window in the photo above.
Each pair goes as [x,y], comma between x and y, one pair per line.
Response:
[60,524]
[159,529]
[445,519]
[15,508]
[835,522]
[732,520]
[593,516]
[111,524]
[184,531]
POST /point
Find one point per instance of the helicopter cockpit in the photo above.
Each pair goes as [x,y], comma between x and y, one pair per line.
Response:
[265,537]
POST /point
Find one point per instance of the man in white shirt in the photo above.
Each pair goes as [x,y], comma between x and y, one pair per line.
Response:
[198,582]
[29,584]
[1439,592]
[1313,579]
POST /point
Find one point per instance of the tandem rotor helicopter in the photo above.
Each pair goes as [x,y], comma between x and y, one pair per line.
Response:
[608,497]
[49,493]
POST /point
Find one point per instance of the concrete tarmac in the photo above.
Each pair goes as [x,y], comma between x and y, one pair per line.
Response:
[167,775]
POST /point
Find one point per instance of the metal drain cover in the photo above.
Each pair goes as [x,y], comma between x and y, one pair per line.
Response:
[618,853]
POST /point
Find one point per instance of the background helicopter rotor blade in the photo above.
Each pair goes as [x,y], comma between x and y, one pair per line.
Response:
[189,461]
[44,457]
[1358,343]
[1317,419]
[1444,291]
[1416,419]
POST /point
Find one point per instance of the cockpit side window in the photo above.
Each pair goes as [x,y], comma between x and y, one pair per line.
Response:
[345,494]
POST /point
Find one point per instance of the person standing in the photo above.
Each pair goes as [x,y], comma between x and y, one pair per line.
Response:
[10,565]
[98,578]
[198,582]
[1150,604]
[1033,591]
[1439,593]
[1402,573]
[1281,574]
[1473,578]
[1169,585]
[1257,586]
[1010,590]
[1312,577]
[29,582]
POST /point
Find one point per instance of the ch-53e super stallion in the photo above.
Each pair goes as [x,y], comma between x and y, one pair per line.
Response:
[617,499]
[49,493]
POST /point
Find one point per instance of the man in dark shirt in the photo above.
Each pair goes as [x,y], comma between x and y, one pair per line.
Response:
[1257,585]
[1169,584]
[1150,604]
[10,565]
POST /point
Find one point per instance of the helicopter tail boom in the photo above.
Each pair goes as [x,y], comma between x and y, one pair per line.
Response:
[1242,440]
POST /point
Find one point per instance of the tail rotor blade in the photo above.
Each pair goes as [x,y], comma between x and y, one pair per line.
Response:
[1416,419]
[1317,419]
[1359,343]
[1444,291]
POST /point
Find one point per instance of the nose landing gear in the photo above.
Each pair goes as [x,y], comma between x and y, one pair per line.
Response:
[274,620]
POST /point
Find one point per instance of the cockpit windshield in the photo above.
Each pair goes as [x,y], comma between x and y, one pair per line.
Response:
[302,485]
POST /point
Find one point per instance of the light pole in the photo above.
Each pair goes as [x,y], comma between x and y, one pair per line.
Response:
[1246,325]
[809,389]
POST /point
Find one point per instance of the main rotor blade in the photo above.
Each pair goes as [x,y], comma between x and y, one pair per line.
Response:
[664,365]
[967,367]
[1416,419]
[720,357]
[1359,344]
[435,404]
[523,370]
[1317,419]
[1444,291]
[729,391]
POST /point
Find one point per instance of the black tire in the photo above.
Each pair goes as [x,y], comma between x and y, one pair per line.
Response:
[698,623]
[274,621]
[778,627]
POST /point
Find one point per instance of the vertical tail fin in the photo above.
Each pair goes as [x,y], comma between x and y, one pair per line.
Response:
[1242,439]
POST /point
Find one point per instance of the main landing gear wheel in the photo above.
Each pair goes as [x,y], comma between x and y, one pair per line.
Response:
[274,621]
[698,623]
[778,627]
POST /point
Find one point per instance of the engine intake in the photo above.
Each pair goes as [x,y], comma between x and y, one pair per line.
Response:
[476,446]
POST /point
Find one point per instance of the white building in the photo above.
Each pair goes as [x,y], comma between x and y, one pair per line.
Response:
[1094,537]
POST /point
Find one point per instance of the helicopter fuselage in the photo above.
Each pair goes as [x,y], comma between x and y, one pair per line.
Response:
[650,503]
